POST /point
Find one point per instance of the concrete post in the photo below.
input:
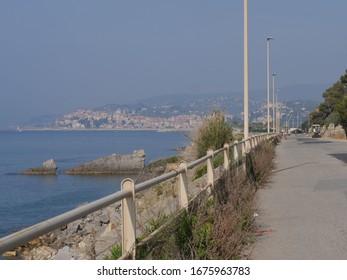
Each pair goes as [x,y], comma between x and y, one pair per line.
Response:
[256,140]
[183,186]
[243,149]
[248,145]
[226,156]
[209,164]
[236,153]
[128,219]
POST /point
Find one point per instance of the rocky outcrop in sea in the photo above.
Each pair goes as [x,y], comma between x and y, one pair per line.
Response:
[112,164]
[48,167]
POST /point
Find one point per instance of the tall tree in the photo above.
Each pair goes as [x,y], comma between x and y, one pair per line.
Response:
[334,107]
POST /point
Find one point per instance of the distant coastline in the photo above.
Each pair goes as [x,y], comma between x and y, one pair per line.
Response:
[97,129]
[180,112]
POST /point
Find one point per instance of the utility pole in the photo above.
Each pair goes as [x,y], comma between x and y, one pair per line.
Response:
[268,39]
[273,102]
[245,69]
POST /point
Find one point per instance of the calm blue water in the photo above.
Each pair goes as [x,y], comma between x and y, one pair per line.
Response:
[26,200]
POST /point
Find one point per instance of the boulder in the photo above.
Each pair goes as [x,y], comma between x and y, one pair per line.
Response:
[66,253]
[112,164]
[41,253]
[48,167]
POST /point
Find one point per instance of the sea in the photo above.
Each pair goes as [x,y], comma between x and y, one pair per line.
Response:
[29,199]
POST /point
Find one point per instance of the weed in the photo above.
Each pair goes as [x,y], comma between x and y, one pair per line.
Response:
[159,189]
[156,223]
[116,253]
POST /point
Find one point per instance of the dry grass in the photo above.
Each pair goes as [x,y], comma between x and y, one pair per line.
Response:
[260,163]
[235,206]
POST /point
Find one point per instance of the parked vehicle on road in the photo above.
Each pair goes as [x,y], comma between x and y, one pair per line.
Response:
[315,130]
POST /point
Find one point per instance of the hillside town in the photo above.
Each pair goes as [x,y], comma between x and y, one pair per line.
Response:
[89,119]
[184,113]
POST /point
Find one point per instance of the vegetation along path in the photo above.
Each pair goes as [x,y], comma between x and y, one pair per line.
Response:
[303,208]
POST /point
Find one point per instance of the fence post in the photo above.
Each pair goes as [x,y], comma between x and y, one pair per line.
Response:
[249,145]
[128,219]
[256,142]
[209,164]
[183,186]
[226,156]
[243,148]
[244,154]
[236,152]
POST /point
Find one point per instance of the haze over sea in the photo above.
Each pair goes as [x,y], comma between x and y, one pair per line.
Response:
[26,200]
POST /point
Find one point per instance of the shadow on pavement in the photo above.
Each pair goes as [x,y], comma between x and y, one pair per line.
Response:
[295,166]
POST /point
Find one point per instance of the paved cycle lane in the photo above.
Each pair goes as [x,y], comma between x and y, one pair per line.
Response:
[303,209]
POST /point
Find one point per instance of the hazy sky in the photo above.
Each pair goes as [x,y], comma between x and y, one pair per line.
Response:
[57,56]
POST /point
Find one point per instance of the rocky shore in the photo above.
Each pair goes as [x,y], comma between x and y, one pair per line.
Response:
[85,239]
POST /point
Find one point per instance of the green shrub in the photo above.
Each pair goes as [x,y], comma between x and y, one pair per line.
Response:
[213,134]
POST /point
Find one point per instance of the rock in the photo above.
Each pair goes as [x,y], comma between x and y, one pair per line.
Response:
[50,164]
[112,164]
[9,254]
[83,246]
[104,219]
[41,253]
[74,227]
[65,253]
[48,167]
[35,242]
[340,133]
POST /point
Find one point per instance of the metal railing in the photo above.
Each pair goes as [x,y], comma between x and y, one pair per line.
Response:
[127,197]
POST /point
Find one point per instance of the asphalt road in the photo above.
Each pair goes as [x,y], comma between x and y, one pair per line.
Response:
[303,208]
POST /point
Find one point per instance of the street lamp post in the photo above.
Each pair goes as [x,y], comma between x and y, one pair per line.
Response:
[245,62]
[273,102]
[268,39]
[278,115]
